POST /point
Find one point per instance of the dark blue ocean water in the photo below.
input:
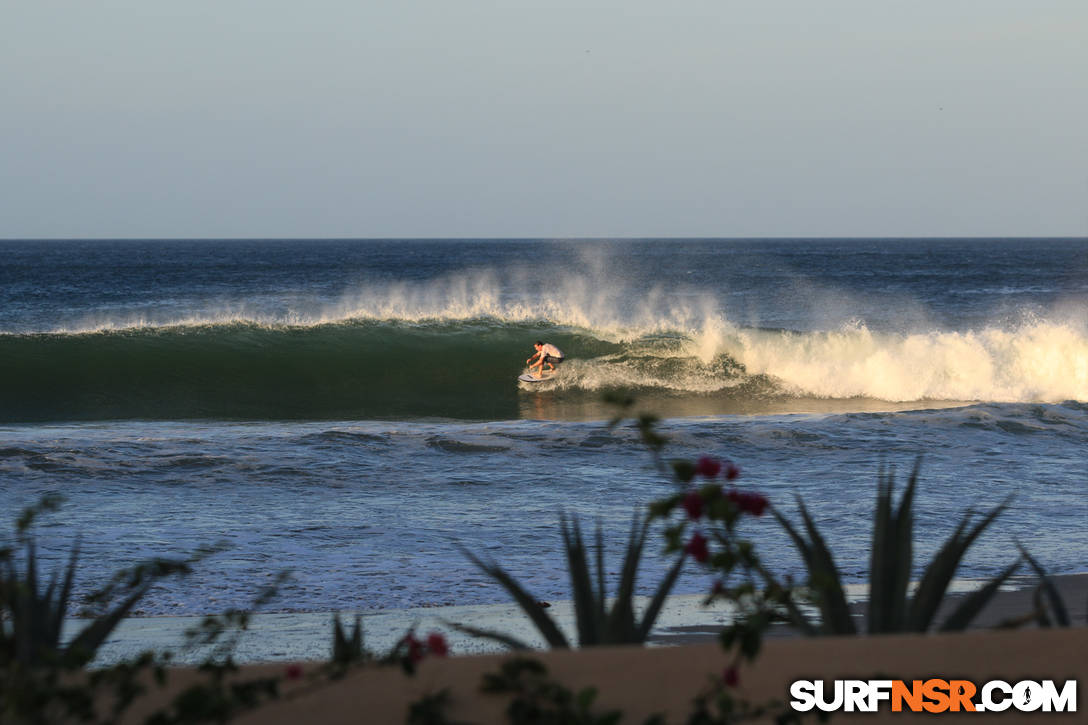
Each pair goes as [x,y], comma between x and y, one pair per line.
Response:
[349,409]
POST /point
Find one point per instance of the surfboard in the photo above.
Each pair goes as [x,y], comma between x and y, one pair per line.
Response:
[527,378]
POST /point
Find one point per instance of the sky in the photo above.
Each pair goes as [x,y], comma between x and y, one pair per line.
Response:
[465,118]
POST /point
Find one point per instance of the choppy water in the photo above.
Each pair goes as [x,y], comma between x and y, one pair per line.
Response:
[348,410]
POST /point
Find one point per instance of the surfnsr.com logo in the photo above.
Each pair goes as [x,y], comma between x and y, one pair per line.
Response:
[933,695]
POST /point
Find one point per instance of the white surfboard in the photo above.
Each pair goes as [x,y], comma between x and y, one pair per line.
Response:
[527,378]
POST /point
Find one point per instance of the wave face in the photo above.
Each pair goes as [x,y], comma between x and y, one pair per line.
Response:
[466,368]
[249,371]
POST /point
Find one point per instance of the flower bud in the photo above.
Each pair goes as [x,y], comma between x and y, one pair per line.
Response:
[731,677]
[708,467]
[693,504]
[436,644]
[697,547]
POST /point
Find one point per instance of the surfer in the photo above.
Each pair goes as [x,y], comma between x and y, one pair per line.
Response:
[546,354]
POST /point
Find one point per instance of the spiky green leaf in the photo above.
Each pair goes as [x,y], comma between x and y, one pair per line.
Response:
[904,550]
[939,573]
[1046,584]
[825,580]
[658,600]
[585,608]
[82,648]
[797,617]
[621,620]
[974,603]
[880,572]
[544,624]
[509,641]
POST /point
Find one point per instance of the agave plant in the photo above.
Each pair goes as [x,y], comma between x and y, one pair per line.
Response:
[1049,608]
[347,650]
[597,624]
[891,608]
[31,620]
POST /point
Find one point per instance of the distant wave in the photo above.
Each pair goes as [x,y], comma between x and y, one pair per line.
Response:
[465,368]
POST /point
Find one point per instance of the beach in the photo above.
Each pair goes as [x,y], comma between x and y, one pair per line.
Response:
[642,683]
[682,658]
[307,636]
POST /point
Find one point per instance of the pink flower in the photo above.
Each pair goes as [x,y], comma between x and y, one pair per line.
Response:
[732,470]
[436,644]
[731,677]
[708,467]
[693,504]
[293,672]
[697,548]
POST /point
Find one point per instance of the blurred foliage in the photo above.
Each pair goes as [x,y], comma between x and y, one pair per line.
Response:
[890,607]
[597,623]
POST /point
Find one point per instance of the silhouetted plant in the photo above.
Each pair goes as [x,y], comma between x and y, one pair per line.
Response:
[222,694]
[33,619]
[535,699]
[44,679]
[36,664]
[1049,606]
[890,607]
[348,650]
[596,622]
[718,706]
[709,530]
[430,709]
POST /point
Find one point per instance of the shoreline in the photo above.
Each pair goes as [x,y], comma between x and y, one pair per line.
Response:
[307,636]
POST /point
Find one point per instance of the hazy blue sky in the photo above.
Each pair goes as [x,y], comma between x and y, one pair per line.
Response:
[141,118]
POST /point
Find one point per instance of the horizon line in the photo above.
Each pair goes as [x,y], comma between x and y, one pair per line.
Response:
[544,238]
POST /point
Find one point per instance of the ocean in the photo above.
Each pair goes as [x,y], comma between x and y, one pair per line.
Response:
[348,410]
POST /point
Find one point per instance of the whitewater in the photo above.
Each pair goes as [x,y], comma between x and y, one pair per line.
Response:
[349,410]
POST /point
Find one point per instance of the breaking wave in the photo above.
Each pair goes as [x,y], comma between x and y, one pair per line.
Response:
[463,365]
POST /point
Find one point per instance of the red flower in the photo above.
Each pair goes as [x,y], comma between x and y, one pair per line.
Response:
[415,648]
[753,503]
[436,644]
[748,502]
[693,504]
[293,672]
[732,470]
[708,467]
[731,677]
[697,548]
